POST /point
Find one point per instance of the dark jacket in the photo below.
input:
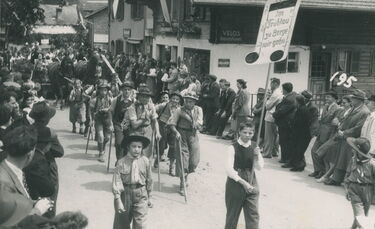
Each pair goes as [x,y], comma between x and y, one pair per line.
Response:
[226,101]
[313,118]
[211,95]
[285,110]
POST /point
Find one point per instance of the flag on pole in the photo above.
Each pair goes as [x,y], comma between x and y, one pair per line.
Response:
[165,10]
[81,20]
[115,6]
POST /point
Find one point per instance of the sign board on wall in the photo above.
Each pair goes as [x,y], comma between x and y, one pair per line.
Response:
[275,32]
[44,41]
[224,63]
[127,33]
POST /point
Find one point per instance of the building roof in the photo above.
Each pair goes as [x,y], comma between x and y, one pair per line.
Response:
[68,15]
[96,12]
[89,6]
[53,29]
[361,5]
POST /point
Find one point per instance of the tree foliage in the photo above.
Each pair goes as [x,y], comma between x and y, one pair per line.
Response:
[20,15]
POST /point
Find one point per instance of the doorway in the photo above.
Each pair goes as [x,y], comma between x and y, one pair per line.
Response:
[320,72]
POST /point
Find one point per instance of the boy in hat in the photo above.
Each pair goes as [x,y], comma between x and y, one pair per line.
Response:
[132,185]
[77,106]
[142,118]
[185,124]
[101,105]
[119,108]
[165,111]
[359,181]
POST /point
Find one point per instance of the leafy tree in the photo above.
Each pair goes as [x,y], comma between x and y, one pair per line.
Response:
[20,16]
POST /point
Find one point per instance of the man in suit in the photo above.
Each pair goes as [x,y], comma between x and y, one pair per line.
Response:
[227,97]
[283,115]
[210,98]
[351,126]
[19,143]
[325,130]
[313,113]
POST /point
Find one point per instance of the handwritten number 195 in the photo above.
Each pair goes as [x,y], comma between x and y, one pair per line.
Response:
[344,79]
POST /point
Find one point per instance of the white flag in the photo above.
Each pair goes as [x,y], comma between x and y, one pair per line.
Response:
[115,6]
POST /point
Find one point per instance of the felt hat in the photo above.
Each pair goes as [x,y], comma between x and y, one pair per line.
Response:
[371,98]
[135,138]
[213,77]
[360,145]
[176,93]
[358,94]
[191,95]
[144,91]
[128,84]
[103,84]
[275,80]
[307,94]
[42,111]
[166,92]
[261,91]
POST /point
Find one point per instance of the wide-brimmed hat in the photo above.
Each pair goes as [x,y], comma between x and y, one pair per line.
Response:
[358,94]
[42,111]
[191,95]
[103,84]
[307,94]
[371,98]
[135,138]
[144,91]
[128,84]
[360,145]
[176,93]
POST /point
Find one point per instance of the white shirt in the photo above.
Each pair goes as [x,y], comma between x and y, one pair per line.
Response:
[368,131]
[271,104]
[258,164]
[19,174]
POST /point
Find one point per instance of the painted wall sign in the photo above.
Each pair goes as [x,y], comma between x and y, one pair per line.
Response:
[224,63]
[127,33]
[344,79]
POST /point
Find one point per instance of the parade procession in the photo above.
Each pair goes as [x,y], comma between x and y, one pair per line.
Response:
[189,114]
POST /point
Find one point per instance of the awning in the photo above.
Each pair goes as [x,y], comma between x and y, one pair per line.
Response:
[53,29]
[134,41]
[100,38]
[361,5]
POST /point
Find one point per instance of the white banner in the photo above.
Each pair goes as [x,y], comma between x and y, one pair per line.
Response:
[164,7]
[115,7]
[275,32]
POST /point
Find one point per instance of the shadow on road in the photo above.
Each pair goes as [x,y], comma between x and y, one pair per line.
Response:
[82,156]
[82,146]
[99,168]
[98,186]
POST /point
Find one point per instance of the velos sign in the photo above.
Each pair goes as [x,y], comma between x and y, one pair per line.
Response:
[275,32]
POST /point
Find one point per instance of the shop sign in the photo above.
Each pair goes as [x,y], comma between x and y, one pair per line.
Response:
[224,63]
[127,33]
[230,35]
[44,41]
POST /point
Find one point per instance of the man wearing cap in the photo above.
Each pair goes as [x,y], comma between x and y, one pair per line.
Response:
[284,115]
[49,148]
[132,185]
[101,105]
[185,124]
[210,99]
[360,181]
[326,129]
[15,201]
[271,144]
[165,111]
[227,97]
[119,109]
[313,113]
[142,119]
[368,129]
[350,127]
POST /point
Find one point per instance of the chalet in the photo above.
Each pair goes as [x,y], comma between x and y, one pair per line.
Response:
[214,36]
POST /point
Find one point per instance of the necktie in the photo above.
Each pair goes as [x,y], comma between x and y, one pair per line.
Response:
[25,184]
[135,179]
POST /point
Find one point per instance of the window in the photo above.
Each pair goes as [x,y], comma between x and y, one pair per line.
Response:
[290,64]
[137,11]
[348,61]
[188,10]
[119,46]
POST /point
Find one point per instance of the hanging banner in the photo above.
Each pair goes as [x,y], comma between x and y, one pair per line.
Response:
[275,32]
[164,7]
[115,7]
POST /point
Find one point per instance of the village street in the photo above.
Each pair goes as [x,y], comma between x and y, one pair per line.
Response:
[287,201]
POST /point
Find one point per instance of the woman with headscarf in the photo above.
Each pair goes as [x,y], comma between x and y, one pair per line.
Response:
[241,109]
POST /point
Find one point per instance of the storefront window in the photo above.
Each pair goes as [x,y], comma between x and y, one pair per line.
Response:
[137,11]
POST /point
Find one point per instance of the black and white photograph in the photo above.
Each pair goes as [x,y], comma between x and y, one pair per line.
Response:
[187,114]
